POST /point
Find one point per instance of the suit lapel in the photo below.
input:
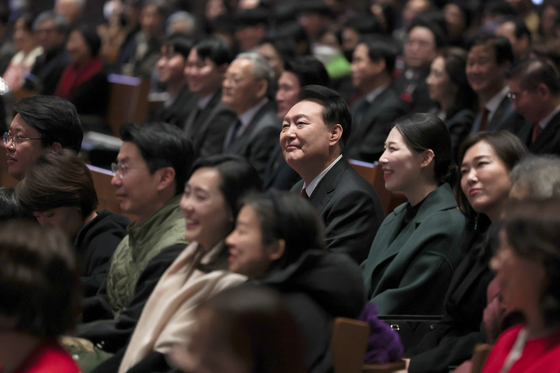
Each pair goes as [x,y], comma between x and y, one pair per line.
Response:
[504,110]
[547,134]
[323,192]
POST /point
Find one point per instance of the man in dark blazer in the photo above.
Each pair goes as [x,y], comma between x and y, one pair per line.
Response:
[50,31]
[534,86]
[207,125]
[255,131]
[314,133]
[372,66]
[488,60]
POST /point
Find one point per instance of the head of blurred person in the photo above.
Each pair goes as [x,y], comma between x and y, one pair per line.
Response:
[536,177]
[151,18]
[294,31]
[72,10]
[207,64]
[181,22]
[298,73]
[447,82]
[211,196]
[272,231]
[58,190]
[152,167]
[519,36]
[424,39]
[413,8]
[23,34]
[488,59]
[50,30]
[355,28]
[40,288]
[172,62]
[418,156]
[276,51]
[246,82]
[252,26]
[386,15]
[131,12]
[10,207]
[458,17]
[373,63]
[246,329]
[315,131]
[534,86]
[485,161]
[549,15]
[314,16]
[527,263]
[522,7]
[41,123]
[83,45]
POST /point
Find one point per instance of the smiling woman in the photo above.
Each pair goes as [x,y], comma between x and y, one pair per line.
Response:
[414,253]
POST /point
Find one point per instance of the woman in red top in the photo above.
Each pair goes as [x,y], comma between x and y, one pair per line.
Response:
[527,266]
[39,289]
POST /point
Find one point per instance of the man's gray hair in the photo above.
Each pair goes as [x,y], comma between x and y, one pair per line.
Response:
[79,3]
[538,175]
[60,21]
[182,16]
[261,67]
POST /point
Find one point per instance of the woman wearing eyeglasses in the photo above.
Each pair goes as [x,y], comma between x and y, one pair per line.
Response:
[58,190]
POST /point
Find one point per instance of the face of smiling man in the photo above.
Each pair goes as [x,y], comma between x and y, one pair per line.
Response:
[308,144]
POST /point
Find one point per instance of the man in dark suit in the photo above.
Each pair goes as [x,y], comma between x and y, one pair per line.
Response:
[255,131]
[170,66]
[489,57]
[314,133]
[372,66]
[534,86]
[207,125]
[50,31]
[298,73]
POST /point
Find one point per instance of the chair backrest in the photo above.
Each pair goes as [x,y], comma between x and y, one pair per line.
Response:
[374,174]
[128,101]
[106,196]
[481,352]
[349,344]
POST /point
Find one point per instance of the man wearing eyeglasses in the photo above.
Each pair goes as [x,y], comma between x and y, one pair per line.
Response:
[42,123]
[149,176]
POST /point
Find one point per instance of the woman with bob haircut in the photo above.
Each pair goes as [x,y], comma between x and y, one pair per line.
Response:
[486,160]
[278,242]
[246,329]
[209,204]
[417,247]
[40,292]
[58,190]
[527,266]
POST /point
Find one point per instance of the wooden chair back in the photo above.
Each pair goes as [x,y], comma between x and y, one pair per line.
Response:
[481,352]
[349,344]
[374,174]
[128,101]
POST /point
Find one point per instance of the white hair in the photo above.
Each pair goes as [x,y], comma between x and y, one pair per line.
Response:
[261,67]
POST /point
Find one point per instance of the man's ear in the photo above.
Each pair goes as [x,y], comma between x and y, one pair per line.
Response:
[427,156]
[166,177]
[544,92]
[336,134]
[56,146]
[276,249]
[262,87]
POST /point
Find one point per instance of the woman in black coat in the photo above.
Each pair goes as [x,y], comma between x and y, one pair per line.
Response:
[278,242]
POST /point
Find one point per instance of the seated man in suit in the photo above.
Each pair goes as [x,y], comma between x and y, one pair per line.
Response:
[50,31]
[534,86]
[41,124]
[149,176]
[298,73]
[372,66]
[255,132]
[170,67]
[314,133]
[489,57]
[208,123]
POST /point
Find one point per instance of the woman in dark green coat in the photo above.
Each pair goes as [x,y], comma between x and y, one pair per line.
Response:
[413,257]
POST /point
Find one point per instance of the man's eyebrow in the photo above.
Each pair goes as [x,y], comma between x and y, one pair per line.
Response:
[296,117]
